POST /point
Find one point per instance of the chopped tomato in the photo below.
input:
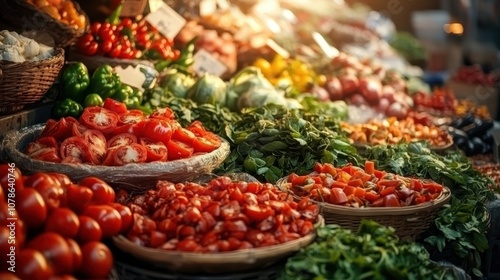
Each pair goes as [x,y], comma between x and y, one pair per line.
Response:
[348,190]
[338,196]
[258,213]
[114,106]
[40,143]
[75,147]
[131,117]
[163,114]
[388,183]
[432,187]
[77,129]
[371,196]
[59,130]
[133,153]
[379,202]
[416,185]
[100,119]
[197,128]
[391,200]
[361,175]
[184,135]
[329,169]
[379,174]
[156,151]
[355,183]
[97,145]
[46,154]
[370,167]
[205,144]
[338,184]
[123,139]
[178,150]
[387,191]
[360,192]
[157,130]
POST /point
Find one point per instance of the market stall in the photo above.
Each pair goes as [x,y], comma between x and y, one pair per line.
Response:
[240,140]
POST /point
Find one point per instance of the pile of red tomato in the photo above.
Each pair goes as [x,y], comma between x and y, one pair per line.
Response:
[357,187]
[441,99]
[223,215]
[55,227]
[474,74]
[127,40]
[114,136]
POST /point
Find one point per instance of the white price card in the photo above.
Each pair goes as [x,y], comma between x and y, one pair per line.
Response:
[204,62]
[131,76]
[133,8]
[166,20]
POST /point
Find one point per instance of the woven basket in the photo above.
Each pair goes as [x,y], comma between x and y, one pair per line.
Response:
[25,83]
[408,221]
[21,16]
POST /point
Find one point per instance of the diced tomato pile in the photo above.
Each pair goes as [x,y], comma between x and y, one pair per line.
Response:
[54,227]
[223,215]
[114,136]
[357,187]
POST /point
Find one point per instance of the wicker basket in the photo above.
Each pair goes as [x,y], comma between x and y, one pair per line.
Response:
[93,62]
[25,83]
[21,16]
[408,221]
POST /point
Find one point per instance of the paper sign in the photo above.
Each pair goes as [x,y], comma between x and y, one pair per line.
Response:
[167,21]
[204,62]
[132,8]
[131,76]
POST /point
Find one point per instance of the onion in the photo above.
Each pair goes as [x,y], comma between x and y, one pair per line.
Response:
[334,88]
[397,110]
[371,89]
[383,105]
[320,93]
[350,83]
[358,100]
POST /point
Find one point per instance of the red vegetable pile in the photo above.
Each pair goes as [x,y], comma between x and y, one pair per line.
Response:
[223,215]
[475,75]
[114,136]
[356,187]
[55,227]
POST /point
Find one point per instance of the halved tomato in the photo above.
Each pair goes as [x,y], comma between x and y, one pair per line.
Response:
[71,160]
[97,145]
[163,114]
[184,135]
[100,119]
[132,116]
[177,150]
[40,143]
[156,151]
[115,106]
[120,140]
[77,129]
[75,147]
[197,128]
[155,129]
[206,144]
[46,154]
[59,130]
[133,153]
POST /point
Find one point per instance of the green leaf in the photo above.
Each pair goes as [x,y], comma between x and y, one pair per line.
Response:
[477,272]
[449,233]
[480,241]
[274,146]
[262,170]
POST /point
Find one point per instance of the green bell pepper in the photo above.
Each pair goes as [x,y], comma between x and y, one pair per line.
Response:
[104,82]
[123,92]
[134,100]
[67,108]
[93,99]
[74,81]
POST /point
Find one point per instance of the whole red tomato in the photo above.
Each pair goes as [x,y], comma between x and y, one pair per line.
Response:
[10,178]
[107,217]
[77,197]
[89,230]
[31,207]
[97,260]
[126,215]
[63,221]
[48,187]
[63,179]
[55,248]
[32,264]
[76,254]
[103,193]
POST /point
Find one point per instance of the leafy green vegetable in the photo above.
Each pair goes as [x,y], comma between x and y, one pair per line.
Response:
[373,252]
[460,226]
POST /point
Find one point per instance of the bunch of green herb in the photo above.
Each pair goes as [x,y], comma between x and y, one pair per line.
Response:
[271,142]
[373,252]
[460,226]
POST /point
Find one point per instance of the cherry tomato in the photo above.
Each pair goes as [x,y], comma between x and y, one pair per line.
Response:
[178,150]
[97,260]
[126,216]
[10,178]
[100,119]
[156,151]
[107,217]
[55,248]
[76,254]
[89,230]
[31,207]
[63,221]
[102,192]
[115,106]
[123,139]
[133,153]
[49,188]
[31,264]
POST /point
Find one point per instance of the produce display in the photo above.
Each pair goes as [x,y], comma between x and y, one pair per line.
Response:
[114,136]
[63,11]
[470,134]
[219,216]
[356,187]
[441,100]
[392,131]
[59,225]
[475,75]
[17,48]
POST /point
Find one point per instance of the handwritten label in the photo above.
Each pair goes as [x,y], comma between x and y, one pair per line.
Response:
[166,20]
[204,62]
[131,76]
[132,8]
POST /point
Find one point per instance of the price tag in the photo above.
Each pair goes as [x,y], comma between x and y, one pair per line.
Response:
[132,8]
[166,20]
[204,62]
[207,7]
[131,76]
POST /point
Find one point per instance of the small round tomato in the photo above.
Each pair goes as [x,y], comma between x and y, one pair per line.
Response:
[102,192]
[31,207]
[31,264]
[178,150]
[107,217]
[122,139]
[89,230]
[97,260]
[156,151]
[10,177]
[55,248]
[75,147]
[97,145]
[184,135]
[63,221]
[76,254]
[126,215]
[100,119]
[115,106]
[134,153]
[49,188]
